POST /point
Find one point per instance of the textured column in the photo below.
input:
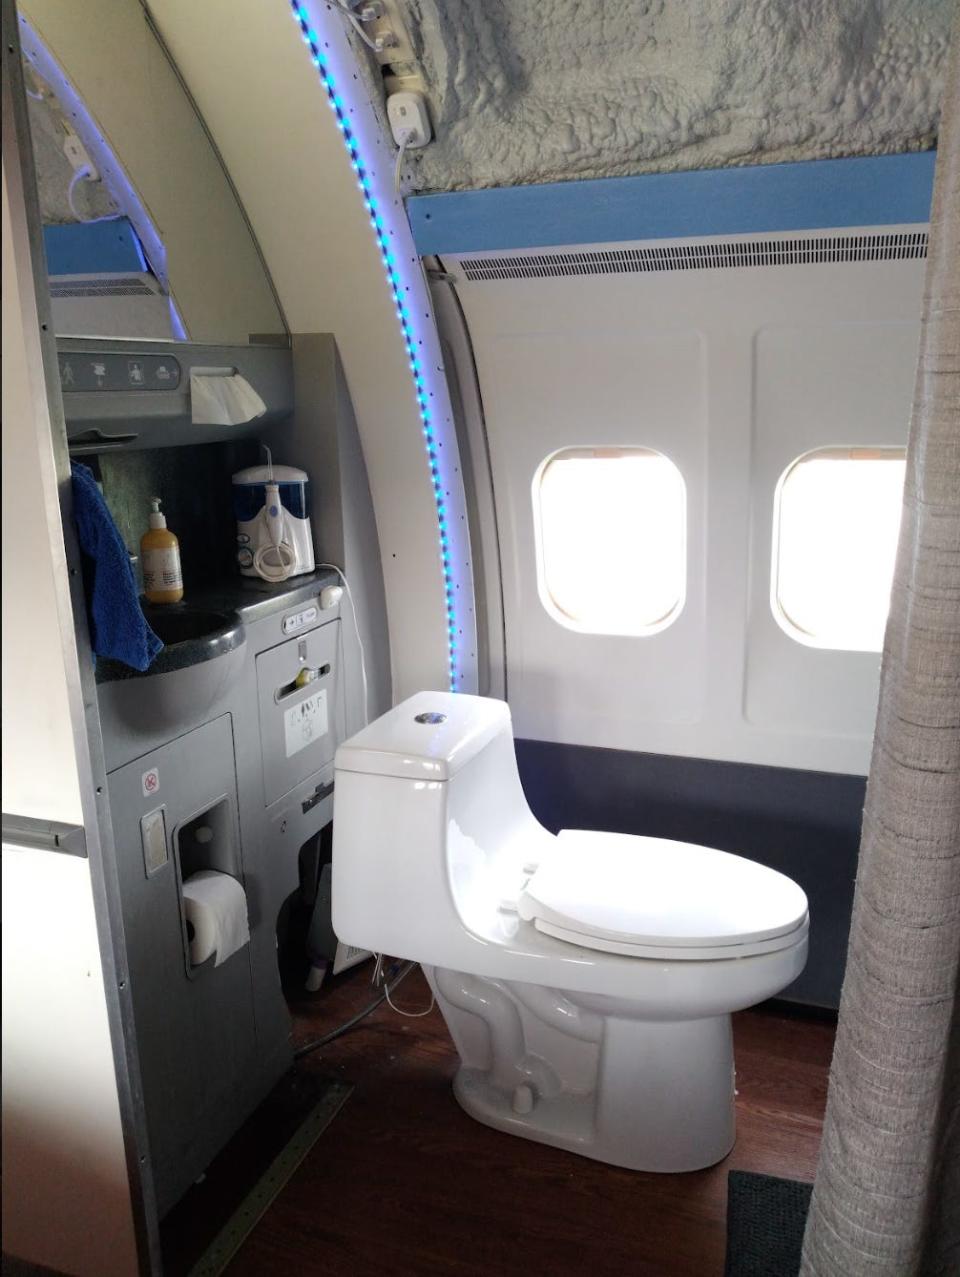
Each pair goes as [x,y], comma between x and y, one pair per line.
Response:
[887,1200]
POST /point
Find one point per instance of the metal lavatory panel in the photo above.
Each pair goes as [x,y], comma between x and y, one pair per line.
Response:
[195,1027]
[297,690]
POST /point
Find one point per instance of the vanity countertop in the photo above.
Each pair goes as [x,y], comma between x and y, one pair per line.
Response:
[253,599]
[228,605]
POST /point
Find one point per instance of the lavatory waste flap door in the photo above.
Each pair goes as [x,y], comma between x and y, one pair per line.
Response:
[299,708]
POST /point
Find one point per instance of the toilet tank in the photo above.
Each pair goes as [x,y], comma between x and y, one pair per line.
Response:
[430,825]
[430,736]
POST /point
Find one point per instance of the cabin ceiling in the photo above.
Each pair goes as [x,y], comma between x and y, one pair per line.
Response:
[524,92]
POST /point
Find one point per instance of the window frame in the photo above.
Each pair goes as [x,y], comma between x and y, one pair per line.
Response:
[547,600]
[849,452]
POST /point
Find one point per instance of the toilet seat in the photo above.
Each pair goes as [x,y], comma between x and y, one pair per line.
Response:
[656,898]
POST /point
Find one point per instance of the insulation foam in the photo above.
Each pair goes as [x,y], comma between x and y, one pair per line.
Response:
[526,91]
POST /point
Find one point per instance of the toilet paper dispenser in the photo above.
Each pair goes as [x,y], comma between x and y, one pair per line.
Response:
[213,903]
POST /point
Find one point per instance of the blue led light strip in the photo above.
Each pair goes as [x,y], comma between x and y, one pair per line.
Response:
[428,382]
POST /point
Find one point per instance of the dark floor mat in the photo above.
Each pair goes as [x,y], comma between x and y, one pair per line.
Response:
[766,1217]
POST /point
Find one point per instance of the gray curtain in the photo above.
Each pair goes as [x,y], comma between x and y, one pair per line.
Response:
[886,1202]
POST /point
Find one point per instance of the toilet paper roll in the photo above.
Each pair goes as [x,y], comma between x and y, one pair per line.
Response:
[221,397]
[216,909]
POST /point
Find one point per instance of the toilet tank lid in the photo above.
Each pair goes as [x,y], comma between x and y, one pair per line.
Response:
[430,736]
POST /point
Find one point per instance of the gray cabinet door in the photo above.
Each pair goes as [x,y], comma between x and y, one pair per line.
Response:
[298,725]
[195,1029]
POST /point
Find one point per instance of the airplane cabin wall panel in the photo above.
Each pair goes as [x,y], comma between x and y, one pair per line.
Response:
[733,374]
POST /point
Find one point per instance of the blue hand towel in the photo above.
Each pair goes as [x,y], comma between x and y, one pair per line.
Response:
[118,628]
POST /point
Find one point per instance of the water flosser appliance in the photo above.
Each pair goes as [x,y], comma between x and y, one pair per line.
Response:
[272,507]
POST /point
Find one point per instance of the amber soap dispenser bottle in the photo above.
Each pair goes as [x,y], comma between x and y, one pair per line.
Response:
[160,556]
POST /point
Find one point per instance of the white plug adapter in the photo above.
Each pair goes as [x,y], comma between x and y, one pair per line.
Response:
[79,156]
[409,121]
[330,596]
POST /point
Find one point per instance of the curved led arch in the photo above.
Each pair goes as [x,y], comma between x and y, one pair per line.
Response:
[332,56]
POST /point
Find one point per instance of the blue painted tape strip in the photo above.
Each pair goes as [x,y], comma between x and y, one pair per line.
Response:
[882,190]
[87,248]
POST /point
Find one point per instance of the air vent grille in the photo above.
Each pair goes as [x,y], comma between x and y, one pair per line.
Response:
[685,256]
[132,287]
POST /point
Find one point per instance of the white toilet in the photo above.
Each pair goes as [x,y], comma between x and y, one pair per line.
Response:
[586,978]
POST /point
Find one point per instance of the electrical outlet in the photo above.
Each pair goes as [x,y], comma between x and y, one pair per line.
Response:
[79,156]
[389,31]
[407,113]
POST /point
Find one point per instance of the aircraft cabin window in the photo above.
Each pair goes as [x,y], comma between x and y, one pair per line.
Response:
[611,539]
[835,528]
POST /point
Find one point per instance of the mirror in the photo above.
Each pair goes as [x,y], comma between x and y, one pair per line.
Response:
[144,234]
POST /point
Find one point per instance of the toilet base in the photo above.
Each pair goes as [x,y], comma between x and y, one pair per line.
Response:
[646,1095]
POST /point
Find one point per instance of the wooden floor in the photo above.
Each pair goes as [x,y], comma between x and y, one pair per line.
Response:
[403,1182]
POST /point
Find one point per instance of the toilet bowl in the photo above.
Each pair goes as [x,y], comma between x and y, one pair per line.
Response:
[587,978]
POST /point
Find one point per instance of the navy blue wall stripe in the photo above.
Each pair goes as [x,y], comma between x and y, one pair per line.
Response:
[882,190]
[87,248]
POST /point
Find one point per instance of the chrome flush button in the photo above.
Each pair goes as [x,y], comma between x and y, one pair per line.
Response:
[430,717]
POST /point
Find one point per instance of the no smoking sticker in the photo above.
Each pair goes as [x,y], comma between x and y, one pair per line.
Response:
[150,782]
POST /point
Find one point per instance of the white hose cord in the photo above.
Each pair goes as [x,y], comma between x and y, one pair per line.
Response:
[78,176]
[401,151]
[410,1015]
[272,517]
[355,22]
[275,572]
[81,175]
[332,567]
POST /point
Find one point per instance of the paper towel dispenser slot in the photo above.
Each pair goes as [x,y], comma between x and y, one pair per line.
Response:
[304,678]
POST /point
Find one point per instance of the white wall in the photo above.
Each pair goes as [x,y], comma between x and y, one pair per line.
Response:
[66,1199]
[39,764]
[66,1203]
[732,373]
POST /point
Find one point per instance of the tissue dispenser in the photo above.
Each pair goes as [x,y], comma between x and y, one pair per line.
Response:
[223,397]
